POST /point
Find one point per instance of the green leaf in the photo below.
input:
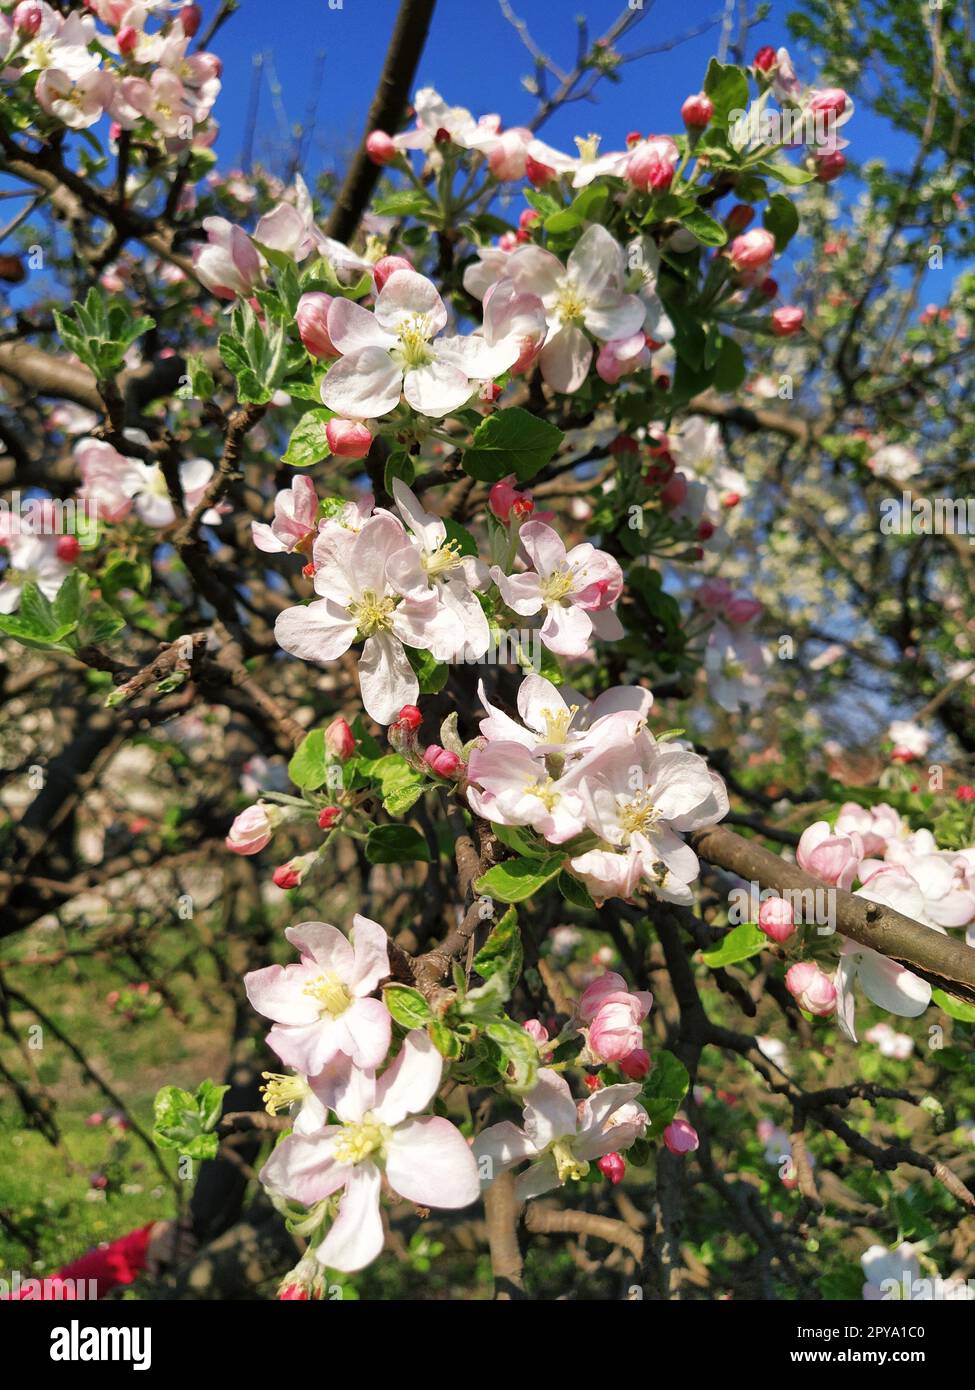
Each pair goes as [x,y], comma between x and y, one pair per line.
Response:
[704,227]
[791,174]
[431,673]
[409,202]
[517,879]
[188,1122]
[444,1040]
[574,891]
[954,1008]
[308,767]
[727,86]
[308,443]
[400,785]
[408,1006]
[781,218]
[729,369]
[502,950]
[511,441]
[459,537]
[520,1052]
[663,1090]
[399,465]
[740,943]
[396,844]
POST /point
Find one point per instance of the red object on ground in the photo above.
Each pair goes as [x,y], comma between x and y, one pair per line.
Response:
[121,1262]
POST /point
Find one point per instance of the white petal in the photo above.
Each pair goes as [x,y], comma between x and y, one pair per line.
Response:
[355,1238]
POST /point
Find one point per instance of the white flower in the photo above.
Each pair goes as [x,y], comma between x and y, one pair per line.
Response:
[559,1137]
[31,560]
[397,351]
[587,165]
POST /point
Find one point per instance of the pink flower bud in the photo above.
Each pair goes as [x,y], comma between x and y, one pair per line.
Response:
[681,1137]
[527,217]
[829,166]
[828,856]
[441,760]
[327,817]
[538,174]
[787,320]
[384,268]
[812,990]
[286,877]
[410,717]
[340,740]
[28,19]
[615,1031]
[251,830]
[536,1030]
[651,164]
[68,548]
[765,59]
[776,919]
[128,38]
[380,147]
[697,111]
[502,497]
[739,217]
[348,439]
[705,531]
[190,18]
[769,288]
[753,250]
[636,1064]
[311,316]
[612,1166]
[738,611]
[674,491]
[831,100]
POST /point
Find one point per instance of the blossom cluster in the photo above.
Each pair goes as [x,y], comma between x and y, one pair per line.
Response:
[142,80]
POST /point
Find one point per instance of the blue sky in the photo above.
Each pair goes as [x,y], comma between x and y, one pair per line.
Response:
[475,58]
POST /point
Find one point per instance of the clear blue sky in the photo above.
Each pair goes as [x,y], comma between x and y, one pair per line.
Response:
[475,59]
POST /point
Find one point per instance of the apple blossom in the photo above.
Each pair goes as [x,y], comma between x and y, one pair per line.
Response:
[396,351]
[752,252]
[652,163]
[228,264]
[31,560]
[380,147]
[576,588]
[295,519]
[832,858]
[441,760]
[636,1064]
[909,739]
[551,725]
[787,320]
[320,1008]
[559,1138]
[697,111]
[423,1160]
[340,740]
[348,439]
[613,1167]
[359,602]
[544,163]
[811,988]
[510,786]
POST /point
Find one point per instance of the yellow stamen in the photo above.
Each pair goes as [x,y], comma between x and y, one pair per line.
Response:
[281,1092]
[331,994]
[557,723]
[557,585]
[569,1168]
[359,1141]
[372,613]
[444,559]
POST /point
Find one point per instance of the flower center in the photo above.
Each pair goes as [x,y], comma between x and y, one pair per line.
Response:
[414,342]
[588,148]
[445,558]
[557,722]
[372,613]
[545,791]
[569,1168]
[556,585]
[638,815]
[282,1091]
[570,305]
[331,994]
[360,1139]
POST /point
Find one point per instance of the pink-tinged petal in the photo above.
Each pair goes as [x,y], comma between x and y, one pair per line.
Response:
[319,631]
[679,782]
[522,592]
[429,1162]
[536,1179]
[371,945]
[355,1238]
[437,388]
[347,1089]
[473,356]
[550,1111]
[567,631]
[845,1000]
[405,295]
[277,992]
[387,679]
[498,1148]
[367,1026]
[596,263]
[434,628]
[602,1104]
[329,948]
[663,843]
[615,318]
[428,529]
[410,1084]
[565,359]
[364,385]
[265,539]
[308,1047]
[543,546]
[352,328]
[304,1169]
[405,572]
